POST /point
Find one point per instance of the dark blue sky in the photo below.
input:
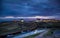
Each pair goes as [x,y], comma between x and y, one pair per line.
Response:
[30,8]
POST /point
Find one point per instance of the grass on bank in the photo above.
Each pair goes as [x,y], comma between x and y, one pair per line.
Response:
[49,33]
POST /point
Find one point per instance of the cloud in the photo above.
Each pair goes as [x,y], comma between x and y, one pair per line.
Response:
[34,17]
[30,7]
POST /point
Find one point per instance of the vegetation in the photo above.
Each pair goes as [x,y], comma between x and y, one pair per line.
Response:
[27,26]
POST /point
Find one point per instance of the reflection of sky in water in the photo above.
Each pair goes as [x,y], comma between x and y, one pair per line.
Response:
[28,34]
[30,7]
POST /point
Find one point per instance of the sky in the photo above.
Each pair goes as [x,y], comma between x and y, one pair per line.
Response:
[27,8]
